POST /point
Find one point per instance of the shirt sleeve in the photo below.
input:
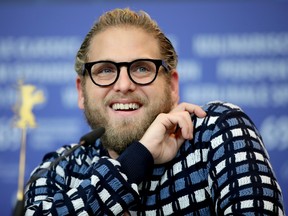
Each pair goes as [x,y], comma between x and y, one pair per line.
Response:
[80,185]
[241,178]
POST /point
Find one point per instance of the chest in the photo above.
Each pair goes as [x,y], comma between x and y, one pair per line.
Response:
[180,186]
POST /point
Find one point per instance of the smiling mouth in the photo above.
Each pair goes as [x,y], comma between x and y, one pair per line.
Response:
[125,107]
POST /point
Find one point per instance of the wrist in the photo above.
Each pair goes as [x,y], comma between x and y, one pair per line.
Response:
[136,162]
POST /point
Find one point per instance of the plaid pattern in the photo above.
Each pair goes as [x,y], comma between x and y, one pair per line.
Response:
[223,170]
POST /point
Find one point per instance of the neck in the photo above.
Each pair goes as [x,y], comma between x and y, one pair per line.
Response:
[113,154]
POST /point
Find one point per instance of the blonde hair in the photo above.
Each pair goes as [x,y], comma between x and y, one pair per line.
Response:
[127,17]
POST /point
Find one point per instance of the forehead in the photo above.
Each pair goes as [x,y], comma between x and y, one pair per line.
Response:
[123,44]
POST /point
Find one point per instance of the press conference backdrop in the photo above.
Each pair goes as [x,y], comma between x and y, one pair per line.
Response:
[233,51]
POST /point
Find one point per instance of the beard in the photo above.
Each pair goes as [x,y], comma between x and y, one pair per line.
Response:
[119,134]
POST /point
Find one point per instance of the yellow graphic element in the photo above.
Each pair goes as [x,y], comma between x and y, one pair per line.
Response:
[29,98]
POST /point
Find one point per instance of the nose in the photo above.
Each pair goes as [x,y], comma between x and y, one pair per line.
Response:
[124,83]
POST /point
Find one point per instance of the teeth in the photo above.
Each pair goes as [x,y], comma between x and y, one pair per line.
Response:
[120,106]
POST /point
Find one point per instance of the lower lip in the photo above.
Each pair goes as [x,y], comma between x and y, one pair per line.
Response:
[125,112]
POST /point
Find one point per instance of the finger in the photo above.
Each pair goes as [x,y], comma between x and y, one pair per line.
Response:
[191,108]
[183,123]
[199,111]
[187,130]
[179,139]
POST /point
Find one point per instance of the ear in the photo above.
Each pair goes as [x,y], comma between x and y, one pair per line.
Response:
[80,93]
[175,87]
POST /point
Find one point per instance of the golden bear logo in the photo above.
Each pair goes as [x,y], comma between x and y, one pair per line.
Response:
[29,98]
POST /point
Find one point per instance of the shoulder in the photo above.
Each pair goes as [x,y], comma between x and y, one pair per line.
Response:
[218,108]
[74,150]
[222,118]
[217,111]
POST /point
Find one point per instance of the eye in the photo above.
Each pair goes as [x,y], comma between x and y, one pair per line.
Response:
[103,69]
[142,67]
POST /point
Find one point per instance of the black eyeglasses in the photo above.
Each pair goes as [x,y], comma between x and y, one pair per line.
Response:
[140,71]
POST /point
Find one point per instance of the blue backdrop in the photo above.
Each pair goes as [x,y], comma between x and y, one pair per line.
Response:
[234,51]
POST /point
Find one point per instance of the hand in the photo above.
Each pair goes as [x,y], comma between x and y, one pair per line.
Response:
[163,138]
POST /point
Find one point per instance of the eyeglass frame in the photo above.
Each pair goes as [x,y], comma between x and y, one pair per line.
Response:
[158,63]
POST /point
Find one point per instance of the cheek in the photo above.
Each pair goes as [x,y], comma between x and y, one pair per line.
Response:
[96,95]
[156,89]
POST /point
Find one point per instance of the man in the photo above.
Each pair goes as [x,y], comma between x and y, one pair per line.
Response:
[156,157]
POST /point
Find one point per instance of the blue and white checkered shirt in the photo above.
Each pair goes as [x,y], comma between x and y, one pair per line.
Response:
[224,170]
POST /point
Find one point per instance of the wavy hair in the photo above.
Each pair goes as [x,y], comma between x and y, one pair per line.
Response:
[127,17]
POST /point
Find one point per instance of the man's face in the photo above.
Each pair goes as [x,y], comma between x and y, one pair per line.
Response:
[125,109]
